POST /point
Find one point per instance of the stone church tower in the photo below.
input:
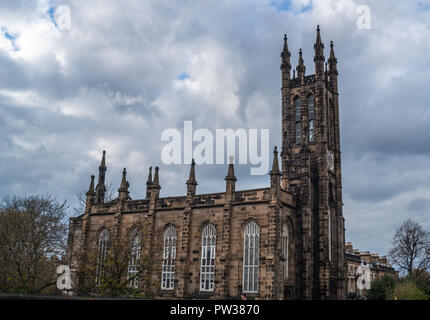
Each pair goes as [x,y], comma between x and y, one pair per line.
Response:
[284,241]
[311,168]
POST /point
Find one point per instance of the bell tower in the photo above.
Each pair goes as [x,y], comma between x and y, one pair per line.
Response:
[311,170]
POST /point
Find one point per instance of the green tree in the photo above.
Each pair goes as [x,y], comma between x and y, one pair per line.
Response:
[381,288]
[409,290]
[422,281]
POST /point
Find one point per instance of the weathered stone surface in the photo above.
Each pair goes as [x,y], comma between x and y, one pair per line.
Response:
[307,198]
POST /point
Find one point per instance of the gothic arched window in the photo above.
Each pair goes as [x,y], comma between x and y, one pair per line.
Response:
[207,266]
[298,107]
[311,117]
[133,264]
[169,257]
[329,234]
[251,255]
[102,254]
[331,119]
[284,248]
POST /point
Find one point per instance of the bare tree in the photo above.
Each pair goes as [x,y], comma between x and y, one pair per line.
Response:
[411,248]
[110,195]
[32,240]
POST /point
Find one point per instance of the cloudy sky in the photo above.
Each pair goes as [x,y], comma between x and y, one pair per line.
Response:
[123,71]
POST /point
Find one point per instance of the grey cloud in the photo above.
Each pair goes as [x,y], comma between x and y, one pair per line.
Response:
[420,206]
[138,49]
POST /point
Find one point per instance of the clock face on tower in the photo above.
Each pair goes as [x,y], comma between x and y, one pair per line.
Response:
[330,160]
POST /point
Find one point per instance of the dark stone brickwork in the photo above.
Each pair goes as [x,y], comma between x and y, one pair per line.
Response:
[301,196]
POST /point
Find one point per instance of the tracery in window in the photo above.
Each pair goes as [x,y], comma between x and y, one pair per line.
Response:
[284,248]
[207,266]
[102,254]
[251,239]
[311,117]
[169,257]
[298,107]
[133,264]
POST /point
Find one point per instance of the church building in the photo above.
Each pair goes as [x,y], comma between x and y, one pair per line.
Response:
[285,241]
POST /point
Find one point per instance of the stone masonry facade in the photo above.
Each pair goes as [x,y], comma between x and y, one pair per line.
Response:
[300,238]
[378,266]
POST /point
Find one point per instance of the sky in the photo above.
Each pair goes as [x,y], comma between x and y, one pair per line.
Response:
[118,73]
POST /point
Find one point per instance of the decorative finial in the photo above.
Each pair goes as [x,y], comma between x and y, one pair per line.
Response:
[156,182]
[275,164]
[102,166]
[230,173]
[91,188]
[123,185]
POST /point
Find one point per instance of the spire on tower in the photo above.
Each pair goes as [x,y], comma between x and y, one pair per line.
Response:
[286,55]
[301,69]
[101,189]
[319,47]
[319,58]
[332,61]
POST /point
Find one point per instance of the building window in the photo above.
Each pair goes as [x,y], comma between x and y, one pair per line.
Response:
[102,254]
[169,256]
[207,267]
[284,244]
[332,123]
[329,234]
[298,105]
[311,117]
[251,239]
[133,264]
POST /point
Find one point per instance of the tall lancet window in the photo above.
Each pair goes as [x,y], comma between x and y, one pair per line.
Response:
[284,248]
[298,106]
[251,255]
[133,264]
[169,257]
[102,254]
[207,266]
[329,234]
[311,117]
